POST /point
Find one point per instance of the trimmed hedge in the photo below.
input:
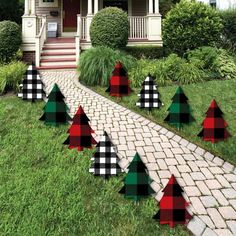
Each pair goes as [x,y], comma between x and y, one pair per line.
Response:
[190,25]
[229,29]
[10,40]
[11,76]
[149,52]
[96,65]
[110,27]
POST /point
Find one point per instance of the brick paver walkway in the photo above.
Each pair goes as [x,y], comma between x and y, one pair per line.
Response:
[208,181]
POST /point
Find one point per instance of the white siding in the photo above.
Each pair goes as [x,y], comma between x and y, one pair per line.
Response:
[222,4]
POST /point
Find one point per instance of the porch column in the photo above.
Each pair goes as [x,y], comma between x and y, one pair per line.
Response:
[32,7]
[150,6]
[95,6]
[26,7]
[156,6]
[90,7]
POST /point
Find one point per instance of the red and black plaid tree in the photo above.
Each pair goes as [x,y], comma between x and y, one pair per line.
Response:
[214,126]
[80,132]
[173,205]
[119,85]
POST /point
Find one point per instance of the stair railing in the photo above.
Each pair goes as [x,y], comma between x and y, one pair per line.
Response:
[40,39]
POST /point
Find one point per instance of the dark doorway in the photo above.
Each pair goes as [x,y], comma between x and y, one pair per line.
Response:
[123,4]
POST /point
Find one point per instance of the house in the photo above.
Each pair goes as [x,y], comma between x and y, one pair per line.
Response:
[73,19]
[220,4]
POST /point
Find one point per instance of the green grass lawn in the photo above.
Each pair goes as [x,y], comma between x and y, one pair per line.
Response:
[200,96]
[46,189]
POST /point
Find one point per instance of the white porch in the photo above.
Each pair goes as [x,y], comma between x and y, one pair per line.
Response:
[144,30]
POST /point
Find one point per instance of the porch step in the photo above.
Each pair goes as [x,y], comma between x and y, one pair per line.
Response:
[56,67]
[58,53]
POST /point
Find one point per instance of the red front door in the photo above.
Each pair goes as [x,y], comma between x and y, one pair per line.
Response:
[70,10]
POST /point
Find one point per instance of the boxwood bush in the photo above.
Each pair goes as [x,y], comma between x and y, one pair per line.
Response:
[10,40]
[190,25]
[229,29]
[11,76]
[110,27]
[96,65]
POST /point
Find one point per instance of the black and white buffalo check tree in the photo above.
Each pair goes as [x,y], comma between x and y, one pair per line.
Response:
[32,86]
[105,159]
[149,96]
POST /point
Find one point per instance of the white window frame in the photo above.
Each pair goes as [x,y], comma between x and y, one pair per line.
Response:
[48,4]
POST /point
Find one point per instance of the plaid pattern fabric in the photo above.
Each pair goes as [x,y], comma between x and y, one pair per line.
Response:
[119,84]
[214,126]
[32,86]
[80,132]
[179,110]
[173,205]
[105,160]
[149,97]
[55,110]
[137,181]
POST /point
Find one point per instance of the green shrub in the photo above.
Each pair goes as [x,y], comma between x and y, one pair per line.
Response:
[110,27]
[96,65]
[10,40]
[138,73]
[190,25]
[229,29]
[225,65]
[216,63]
[149,52]
[11,76]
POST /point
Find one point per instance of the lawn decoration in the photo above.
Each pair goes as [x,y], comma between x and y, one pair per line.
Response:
[55,110]
[105,159]
[214,126]
[80,132]
[179,110]
[149,96]
[32,86]
[173,205]
[137,181]
[119,85]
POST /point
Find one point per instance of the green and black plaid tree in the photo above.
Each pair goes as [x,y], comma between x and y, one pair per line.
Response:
[137,181]
[55,110]
[179,110]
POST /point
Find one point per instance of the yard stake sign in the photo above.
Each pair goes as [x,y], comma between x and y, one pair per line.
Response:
[137,181]
[214,126]
[55,110]
[119,85]
[80,132]
[149,96]
[179,110]
[105,159]
[32,86]
[173,205]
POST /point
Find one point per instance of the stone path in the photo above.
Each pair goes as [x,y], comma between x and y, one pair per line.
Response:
[208,181]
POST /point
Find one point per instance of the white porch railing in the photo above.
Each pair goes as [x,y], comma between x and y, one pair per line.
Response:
[138,27]
[40,40]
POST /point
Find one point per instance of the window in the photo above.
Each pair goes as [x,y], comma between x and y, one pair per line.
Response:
[123,4]
[48,3]
[213,3]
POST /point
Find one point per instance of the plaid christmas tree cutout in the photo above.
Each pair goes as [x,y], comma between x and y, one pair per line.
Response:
[137,181]
[214,126]
[80,132]
[149,96]
[55,110]
[32,86]
[119,84]
[179,110]
[173,205]
[105,160]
